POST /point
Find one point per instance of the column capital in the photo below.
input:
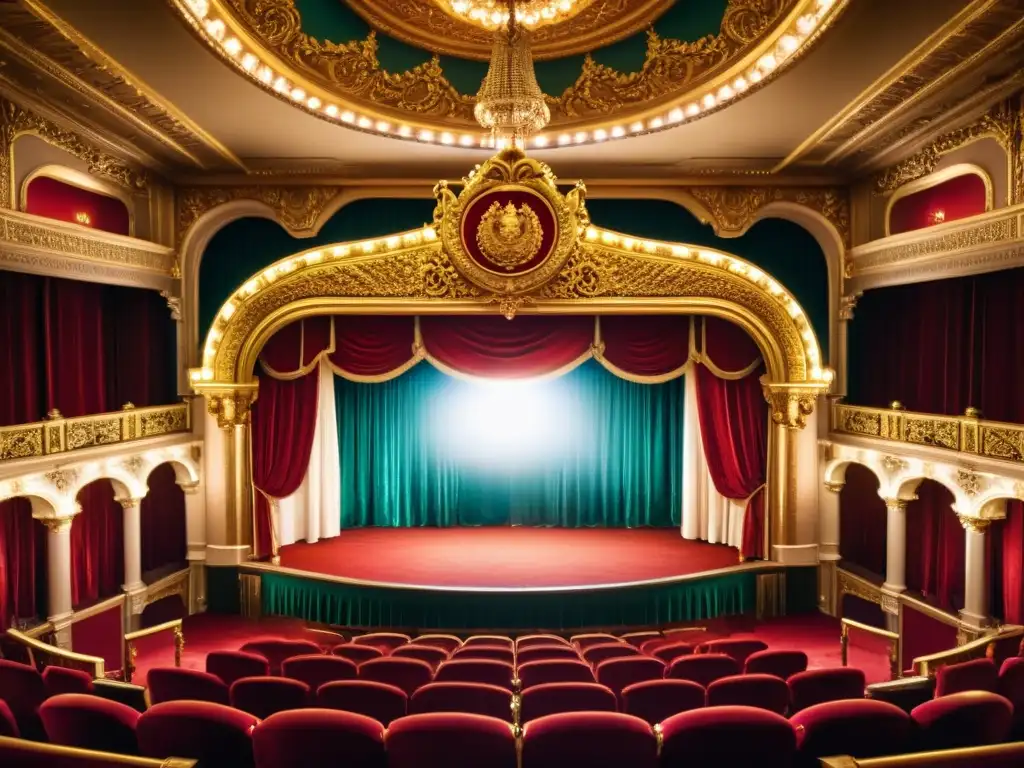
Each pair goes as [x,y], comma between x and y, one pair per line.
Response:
[189,489]
[973,524]
[834,487]
[230,403]
[791,404]
[898,505]
[130,502]
[57,524]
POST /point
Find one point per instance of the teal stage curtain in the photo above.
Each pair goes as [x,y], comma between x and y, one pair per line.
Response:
[612,455]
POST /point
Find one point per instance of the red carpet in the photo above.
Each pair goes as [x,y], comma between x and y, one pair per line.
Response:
[507,557]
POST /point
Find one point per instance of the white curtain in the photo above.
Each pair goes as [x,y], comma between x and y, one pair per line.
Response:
[313,512]
[707,514]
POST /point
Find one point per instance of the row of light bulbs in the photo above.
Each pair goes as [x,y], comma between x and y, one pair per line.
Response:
[216,30]
[593,234]
[493,14]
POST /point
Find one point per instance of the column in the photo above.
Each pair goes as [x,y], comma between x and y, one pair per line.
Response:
[828,521]
[895,545]
[975,610]
[243,532]
[195,536]
[839,354]
[132,518]
[58,564]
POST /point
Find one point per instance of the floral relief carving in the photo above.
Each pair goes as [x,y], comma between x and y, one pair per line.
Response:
[298,207]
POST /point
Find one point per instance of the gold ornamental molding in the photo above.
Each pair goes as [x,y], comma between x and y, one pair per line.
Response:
[345,83]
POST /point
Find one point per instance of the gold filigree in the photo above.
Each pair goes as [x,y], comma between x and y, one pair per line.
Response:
[57,524]
[584,276]
[509,237]
[893,464]
[21,443]
[61,479]
[941,433]
[848,584]
[298,208]
[133,465]
[510,305]
[789,406]
[733,210]
[442,281]
[230,405]
[973,524]
[1003,442]
[968,481]
[860,422]
[84,434]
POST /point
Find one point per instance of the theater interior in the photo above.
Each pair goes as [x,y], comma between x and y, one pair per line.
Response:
[511,383]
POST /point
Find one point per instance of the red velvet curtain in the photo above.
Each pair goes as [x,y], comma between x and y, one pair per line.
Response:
[22,563]
[140,348]
[283,424]
[163,522]
[97,545]
[862,521]
[59,200]
[646,345]
[369,346]
[74,336]
[957,198]
[1006,565]
[935,547]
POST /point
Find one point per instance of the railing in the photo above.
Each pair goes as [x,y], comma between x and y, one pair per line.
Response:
[59,435]
[894,643]
[25,752]
[131,652]
[45,655]
[965,757]
[965,434]
[927,666]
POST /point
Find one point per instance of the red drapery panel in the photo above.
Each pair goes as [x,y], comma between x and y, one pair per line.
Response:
[374,345]
[74,328]
[862,521]
[1006,564]
[998,365]
[726,345]
[935,547]
[734,430]
[59,200]
[163,521]
[646,346]
[283,424]
[141,355]
[22,563]
[22,397]
[97,545]
[956,198]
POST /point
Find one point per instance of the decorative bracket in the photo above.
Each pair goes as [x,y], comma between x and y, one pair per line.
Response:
[230,403]
[791,404]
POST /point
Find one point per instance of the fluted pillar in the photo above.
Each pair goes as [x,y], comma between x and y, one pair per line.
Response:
[828,521]
[58,574]
[975,610]
[895,545]
[195,536]
[132,520]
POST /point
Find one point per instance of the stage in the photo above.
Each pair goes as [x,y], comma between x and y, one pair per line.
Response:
[515,578]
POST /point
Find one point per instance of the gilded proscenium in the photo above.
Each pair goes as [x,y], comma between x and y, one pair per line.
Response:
[60,435]
[964,434]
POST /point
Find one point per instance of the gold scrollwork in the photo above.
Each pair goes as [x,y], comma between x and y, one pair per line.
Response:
[968,481]
[20,443]
[230,405]
[509,237]
[860,422]
[57,524]
[789,406]
[298,207]
[940,433]
[893,464]
[83,434]
[62,479]
[973,524]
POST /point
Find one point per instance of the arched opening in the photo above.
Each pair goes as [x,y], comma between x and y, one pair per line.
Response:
[97,545]
[64,201]
[935,547]
[164,545]
[946,198]
[862,522]
[23,566]
[1006,565]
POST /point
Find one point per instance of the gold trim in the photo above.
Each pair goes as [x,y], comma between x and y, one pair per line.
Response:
[935,178]
[88,756]
[1002,754]
[82,181]
[131,652]
[52,651]
[926,666]
[98,608]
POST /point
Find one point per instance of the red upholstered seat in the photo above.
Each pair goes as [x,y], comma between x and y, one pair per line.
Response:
[8,725]
[385,641]
[669,652]
[357,653]
[546,653]
[727,736]
[651,644]
[816,686]
[761,691]
[175,684]
[445,642]
[215,735]
[593,638]
[380,701]
[316,670]
[703,669]
[782,664]
[530,641]
[472,698]
[591,739]
[234,665]
[552,698]
[22,688]
[277,649]
[476,671]
[450,740]
[738,648]
[618,673]
[974,675]
[861,728]
[1011,685]
[595,654]
[492,652]
[656,700]
[60,680]
[407,674]
[428,653]
[637,638]
[555,671]
[501,640]
[325,638]
[264,696]
[966,719]
[89,722]
[312,738]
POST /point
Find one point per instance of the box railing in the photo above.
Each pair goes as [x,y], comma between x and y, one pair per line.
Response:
[131,651]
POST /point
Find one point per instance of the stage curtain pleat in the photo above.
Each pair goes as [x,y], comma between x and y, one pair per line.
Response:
[162,519]
[862,521]
[22,563]
[141,350]
[97,545]
[22,393]
[75,351]
[648,346]
[374,345]
[935,547]
[283,424]
[1006,564]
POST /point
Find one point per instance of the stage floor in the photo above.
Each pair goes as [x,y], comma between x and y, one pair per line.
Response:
[508,557]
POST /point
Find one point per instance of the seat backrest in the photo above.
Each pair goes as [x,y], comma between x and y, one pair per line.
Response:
[727,736]
[1011,683]
[861,728]
[669,652]
[595,654]
[618,673]
[407,674]
[445,642]
[8,725]
[493,652]
[738,648]
[782,664]
[385,641]
[656,700]
[704,668]
[431,654]
[816,686]
[357,653]
[753,690]
[637,638]
[177,684]
[472,698]
[276,649]
[546,652]
[476,671]
[22,688]
[316,670]
[89,722]
[592,739]
[380,701]
[307,738]
[263,696]
[974,675]
[554,671]
[584,641]
[450,740]
[965,719]
[213,734]
[234,665]
[502,640]
[530,641]
[552,698]
[58,680]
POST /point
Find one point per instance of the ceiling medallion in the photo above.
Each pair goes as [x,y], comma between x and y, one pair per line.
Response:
[492,14]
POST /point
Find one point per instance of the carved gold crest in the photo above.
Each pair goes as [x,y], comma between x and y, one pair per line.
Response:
[509,237]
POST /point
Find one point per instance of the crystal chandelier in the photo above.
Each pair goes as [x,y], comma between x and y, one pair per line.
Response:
[510,103]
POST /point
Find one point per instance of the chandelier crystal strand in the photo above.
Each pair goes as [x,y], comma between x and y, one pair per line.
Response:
[510,102]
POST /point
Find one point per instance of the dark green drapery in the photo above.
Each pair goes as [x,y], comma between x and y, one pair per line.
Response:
[621,467]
